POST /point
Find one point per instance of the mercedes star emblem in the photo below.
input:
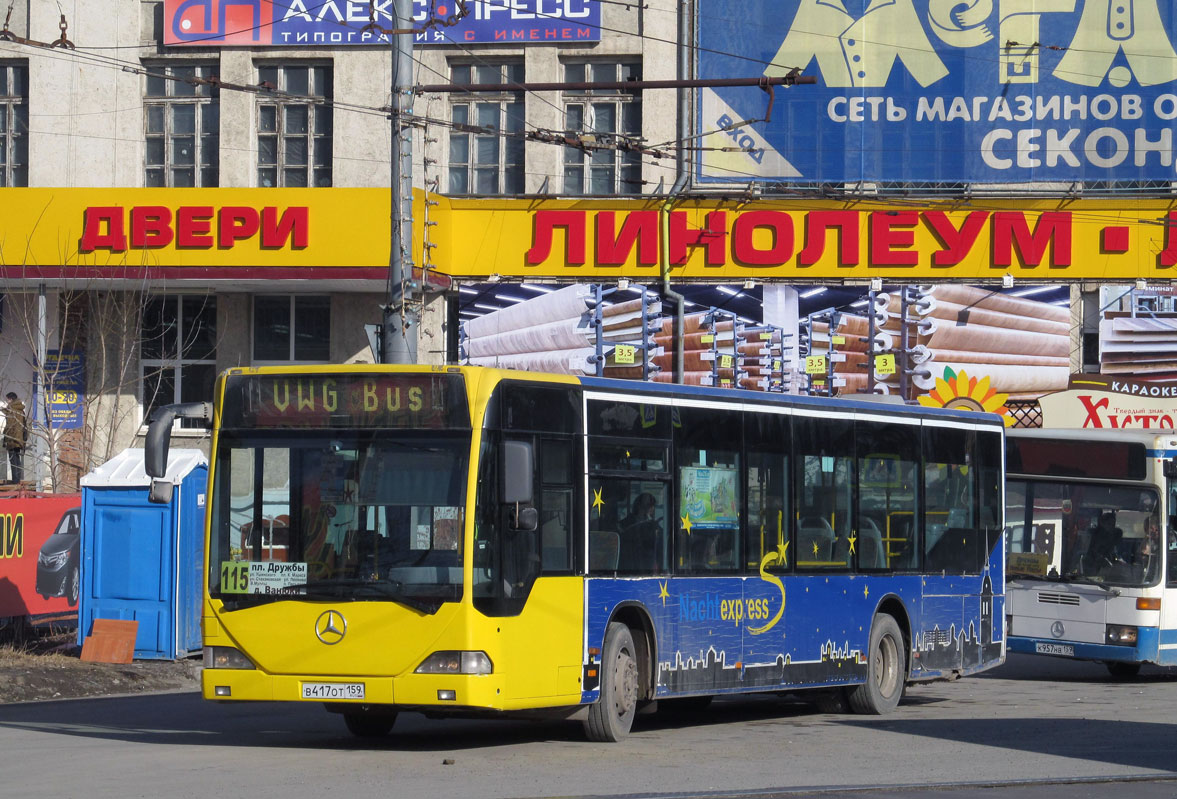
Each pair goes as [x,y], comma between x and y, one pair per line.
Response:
[330,627]
[1056,629]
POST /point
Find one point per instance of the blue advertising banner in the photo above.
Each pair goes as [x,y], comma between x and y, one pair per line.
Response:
[940,91]
[325,23]
[66,375]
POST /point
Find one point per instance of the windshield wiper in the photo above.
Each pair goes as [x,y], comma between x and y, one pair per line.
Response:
[1083,579]
[1029,575]
[359,588]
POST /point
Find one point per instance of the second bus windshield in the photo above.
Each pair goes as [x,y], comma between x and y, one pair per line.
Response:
[1083,532]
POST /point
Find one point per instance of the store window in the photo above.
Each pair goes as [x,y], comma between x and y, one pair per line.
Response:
[611,117]
[178,351]
[291,328]
[14,124]
[489,161]
[182,117]
[294,125]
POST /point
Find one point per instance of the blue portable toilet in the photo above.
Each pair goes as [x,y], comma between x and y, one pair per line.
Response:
[144,561]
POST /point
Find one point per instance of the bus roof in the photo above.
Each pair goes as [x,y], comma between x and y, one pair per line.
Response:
[766,398]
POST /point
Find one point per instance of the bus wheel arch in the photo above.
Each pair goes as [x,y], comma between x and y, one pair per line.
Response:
[641,628]
[893,606]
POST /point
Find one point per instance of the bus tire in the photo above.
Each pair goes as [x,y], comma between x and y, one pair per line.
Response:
[611,716]
[886,667]
[1121,670]
[369,725]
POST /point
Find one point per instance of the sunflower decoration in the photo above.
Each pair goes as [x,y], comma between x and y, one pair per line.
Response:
[960,392]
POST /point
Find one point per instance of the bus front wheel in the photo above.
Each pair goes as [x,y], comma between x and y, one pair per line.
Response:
[885,678]
[369,725]
[611,717]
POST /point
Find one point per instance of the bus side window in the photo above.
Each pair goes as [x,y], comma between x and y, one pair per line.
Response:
[888,461]
[708,487]
[823,463]
[1171,552]
[952,544]
[767,536]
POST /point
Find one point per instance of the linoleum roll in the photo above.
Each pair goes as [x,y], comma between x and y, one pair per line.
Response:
[568,302]
[958,314]
[1006,379]
[692,361]
[983,298]
[564,362]
[938,334]
[964,356]
[562,335]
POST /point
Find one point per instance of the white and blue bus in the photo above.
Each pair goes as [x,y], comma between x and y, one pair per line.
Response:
[1092,553]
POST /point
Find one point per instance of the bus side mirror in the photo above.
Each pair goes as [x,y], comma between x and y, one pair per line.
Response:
[518,473]
[518,489]
[160,492]
[159,439]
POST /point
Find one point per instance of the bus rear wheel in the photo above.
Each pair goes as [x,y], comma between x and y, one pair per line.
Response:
[610,718]
[1122,671]
[886,665]
[369,725]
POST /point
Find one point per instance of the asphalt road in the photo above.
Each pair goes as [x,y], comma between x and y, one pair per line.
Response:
[1033,729]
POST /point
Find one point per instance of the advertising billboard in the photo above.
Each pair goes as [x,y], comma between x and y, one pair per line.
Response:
[939,91]
[40,558]
[285,23]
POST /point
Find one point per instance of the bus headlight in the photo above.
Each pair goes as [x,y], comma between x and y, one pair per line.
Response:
[226,657]
[1121,635]
[452,661]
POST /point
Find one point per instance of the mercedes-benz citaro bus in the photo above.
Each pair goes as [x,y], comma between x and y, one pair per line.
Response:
[1092,562]
[478,541]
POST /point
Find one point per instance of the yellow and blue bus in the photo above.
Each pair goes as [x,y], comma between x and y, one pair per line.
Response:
[473,541]
[1092,561]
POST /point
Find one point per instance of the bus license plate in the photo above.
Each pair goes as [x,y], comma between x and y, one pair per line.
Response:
[1055,649]
[332,690]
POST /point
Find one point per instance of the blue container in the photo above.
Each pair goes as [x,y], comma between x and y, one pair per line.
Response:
[143,561]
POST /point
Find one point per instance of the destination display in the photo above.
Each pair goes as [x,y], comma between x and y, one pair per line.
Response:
[325,401]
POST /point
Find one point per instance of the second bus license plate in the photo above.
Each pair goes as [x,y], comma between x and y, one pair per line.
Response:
[1055,649]
[332,690]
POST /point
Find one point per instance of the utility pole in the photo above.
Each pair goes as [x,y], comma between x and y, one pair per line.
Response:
[401,315]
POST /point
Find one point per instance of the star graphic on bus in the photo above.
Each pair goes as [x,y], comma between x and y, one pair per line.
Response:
[598,501]
[852,541]
[663,594]
[815,549]
[866,591]
[686,523]
[783,552]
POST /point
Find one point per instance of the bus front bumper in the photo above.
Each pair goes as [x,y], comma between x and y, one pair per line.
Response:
[1145,650]
[416,690]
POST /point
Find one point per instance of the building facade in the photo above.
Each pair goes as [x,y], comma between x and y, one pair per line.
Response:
[288,99]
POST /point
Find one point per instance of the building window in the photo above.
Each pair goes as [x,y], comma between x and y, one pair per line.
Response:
[178,351]
[14,125]
[489,162]
[291,328]
[183,119]
[611,116]
[294,126]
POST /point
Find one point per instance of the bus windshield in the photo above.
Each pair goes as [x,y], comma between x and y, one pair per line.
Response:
[1083,532]
[366,515]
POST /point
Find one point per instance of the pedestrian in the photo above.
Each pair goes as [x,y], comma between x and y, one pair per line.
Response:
[16,435]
